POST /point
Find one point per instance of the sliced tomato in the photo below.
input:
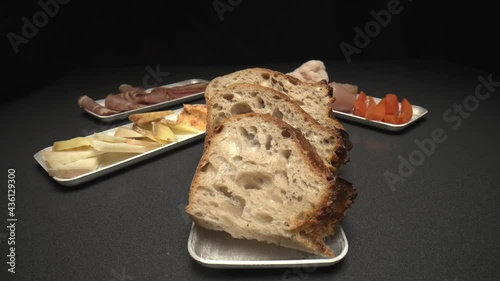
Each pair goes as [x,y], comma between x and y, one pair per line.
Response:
[406,112]
[389,118]
[392,106]
[360,105]
[376,112]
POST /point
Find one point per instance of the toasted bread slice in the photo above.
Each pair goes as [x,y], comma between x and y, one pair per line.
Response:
[242,98]
[148,117]
[314,98]
[259,178]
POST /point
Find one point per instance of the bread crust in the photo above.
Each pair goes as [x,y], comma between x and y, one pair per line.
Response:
[334,160]
[309,230]
[263,76]
[321,221]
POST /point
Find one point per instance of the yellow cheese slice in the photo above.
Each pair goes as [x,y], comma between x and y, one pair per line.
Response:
[163,132]
[118,147]
[182,129]
[125,132]
[70,144]
[56,158]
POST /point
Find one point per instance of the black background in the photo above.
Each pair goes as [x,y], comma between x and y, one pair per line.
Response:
[440,224]
[90,34]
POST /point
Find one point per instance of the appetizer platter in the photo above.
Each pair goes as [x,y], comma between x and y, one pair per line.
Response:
[217,249]
[417,113]
[132,99]
[390,112]
[81,159]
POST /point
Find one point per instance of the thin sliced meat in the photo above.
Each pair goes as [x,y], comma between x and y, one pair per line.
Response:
[186,90]
[116,102]
[92,106]
[126,88]
[131,96]
[157,95]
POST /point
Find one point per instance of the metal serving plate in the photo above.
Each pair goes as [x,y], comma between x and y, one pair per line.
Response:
[153,107]
[418,112]
[106,166]
[218,249]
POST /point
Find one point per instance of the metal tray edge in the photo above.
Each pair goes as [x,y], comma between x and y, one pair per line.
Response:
[267,264]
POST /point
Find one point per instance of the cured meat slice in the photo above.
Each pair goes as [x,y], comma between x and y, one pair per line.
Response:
[126,88]
[186,90]
[92,106]
[116,102]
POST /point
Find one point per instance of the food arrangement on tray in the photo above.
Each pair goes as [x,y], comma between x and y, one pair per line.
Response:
[131,99]
[269,169]
[390,112]
[268,175]
[149,134]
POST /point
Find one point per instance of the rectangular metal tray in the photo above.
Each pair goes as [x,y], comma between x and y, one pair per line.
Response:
[153,107]
[418,112]
[109,167]
[217,249]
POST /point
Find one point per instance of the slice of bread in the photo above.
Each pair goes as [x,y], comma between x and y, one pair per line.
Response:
[259,178]
[242,98]
[314,98]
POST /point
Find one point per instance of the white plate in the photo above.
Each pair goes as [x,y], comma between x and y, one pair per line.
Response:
[218,249]
[106,168]
[153,107]
[418,112]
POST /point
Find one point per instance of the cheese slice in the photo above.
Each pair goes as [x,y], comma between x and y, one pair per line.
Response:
[75,168]
[56,158]
[125,132]
[163,132]
[182,129]
[148,117]
[71,143]
[108,138]
[148,134]
[118,147]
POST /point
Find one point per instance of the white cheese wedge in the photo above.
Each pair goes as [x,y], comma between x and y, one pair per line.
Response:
[56,158]
[148,134]
[118,147]
[75,168]
[109,138]
[125,132]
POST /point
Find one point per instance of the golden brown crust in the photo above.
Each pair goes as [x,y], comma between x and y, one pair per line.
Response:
[320,222]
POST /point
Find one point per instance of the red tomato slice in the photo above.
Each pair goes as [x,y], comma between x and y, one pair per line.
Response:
[360,105]
[406,112]
[389,118]
[392,106]
[376,112]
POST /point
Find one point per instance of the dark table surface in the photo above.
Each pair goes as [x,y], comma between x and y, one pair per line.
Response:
[440,221]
